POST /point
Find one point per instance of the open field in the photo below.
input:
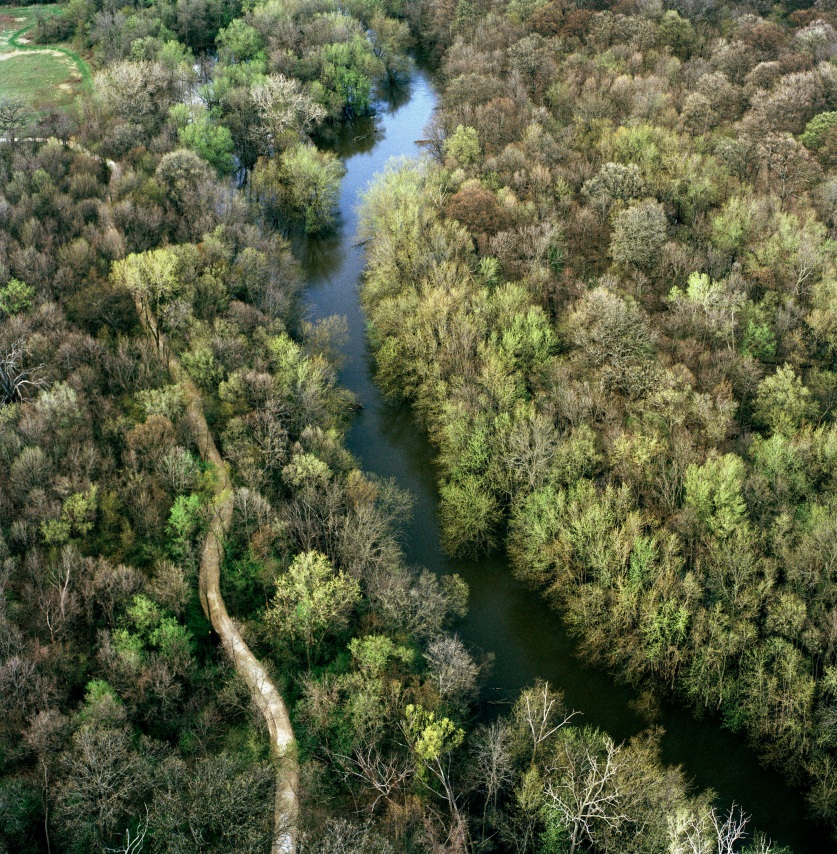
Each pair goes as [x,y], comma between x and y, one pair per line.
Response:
[45,76]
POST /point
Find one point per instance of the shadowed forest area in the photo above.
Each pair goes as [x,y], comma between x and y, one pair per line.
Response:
[609,293]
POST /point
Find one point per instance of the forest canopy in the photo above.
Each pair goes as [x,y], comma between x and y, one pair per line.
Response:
[611,304]
[608,292]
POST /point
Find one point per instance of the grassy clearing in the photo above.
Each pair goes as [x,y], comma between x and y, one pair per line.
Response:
[45,76]
[41,80]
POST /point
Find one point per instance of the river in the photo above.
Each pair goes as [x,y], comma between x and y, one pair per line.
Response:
[525,637]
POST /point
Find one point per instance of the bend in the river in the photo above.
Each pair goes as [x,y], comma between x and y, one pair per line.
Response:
[525,636]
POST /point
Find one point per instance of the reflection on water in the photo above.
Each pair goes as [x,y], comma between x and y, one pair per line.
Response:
[505,619]
[320,255]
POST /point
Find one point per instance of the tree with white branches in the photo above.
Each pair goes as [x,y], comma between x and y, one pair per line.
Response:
[16,381]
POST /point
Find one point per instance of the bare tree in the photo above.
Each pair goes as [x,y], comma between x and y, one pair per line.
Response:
[61,601]
[531,446]
[730,830]
[286,111]
[16,381]
[492,762]
[385,774]
[540,712]
[451,668]
[134,841]
[708,832]
[582,785]
[14,115]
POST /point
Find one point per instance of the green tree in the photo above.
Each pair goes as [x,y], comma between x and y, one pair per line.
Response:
[239,42]
[433,741]
[463,146]
[818,130]
[312,601]
[15,297]
[151,278]
[783,403]
[302,185]
[197,131]
[469,514]
[713,492]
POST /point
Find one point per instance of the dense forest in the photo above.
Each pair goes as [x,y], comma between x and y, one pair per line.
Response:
[609,294]
[611,301]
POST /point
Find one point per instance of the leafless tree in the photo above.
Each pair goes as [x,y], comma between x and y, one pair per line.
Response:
[582,787]
[254,508]
[385,774]
[14,115]
[17,381]
[540,712]
[492,762]
[134,841]
[730,830]
[707,832]
[531,447]
[61,600]
[451,668]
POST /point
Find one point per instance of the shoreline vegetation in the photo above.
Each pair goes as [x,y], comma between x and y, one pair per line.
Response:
[569,296]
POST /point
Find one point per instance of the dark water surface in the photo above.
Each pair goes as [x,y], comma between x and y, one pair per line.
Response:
[505,619]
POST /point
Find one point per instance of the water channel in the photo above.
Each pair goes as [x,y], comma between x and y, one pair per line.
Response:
[526,638]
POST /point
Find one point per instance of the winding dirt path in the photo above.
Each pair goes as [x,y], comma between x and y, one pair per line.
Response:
[262,689]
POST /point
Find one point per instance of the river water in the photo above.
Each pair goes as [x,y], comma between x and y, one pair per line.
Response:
[505,619]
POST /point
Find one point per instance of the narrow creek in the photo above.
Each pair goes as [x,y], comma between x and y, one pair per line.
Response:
[526,638]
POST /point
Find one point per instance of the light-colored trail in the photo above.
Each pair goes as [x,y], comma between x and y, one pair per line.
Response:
[264,693]
[262,689]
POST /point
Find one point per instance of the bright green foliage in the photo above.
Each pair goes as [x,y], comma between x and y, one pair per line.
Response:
[212,141]
[818,129]
[78,515]
[666,629]
[643,559]
[151,278]
[345,83]
[302,185]
[533,528]
[759,341]
[15,297]
[239,42]
[469,515]
[783,403]
[373,653]
[431,737]
[713,492]
[203,367]
[731,227]
[313,180]
[185,521]
[708,307]
[463,145]
[149,629]
[312,602]
[390,40]
[678,33]
[168,401]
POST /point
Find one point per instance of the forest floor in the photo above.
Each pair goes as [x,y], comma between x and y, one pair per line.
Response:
[44,76]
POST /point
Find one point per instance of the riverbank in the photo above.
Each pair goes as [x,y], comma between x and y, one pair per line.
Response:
[505,619]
